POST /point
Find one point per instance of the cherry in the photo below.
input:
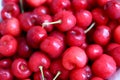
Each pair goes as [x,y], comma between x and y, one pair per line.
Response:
[20,68]
[102,2]
[52,46]
[81,73]
[64,20]
[8,45]
[7,1]
[111,46]
[6,74]
[23,50]
[99,16]
[84,18]
[61,5]
[104,66]
[116,35]
[115,54]
[74,57]
[75,36]
[5,63]
[47,74]
[104,35]
[112,24]
[38,34]
[10,26]
[112,9]
[10,10]
[38,59]
[94,51]
[80,4]
[35,3]
[97,78]
[57,66]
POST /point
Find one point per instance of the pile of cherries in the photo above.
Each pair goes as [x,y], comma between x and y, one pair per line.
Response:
[59,39]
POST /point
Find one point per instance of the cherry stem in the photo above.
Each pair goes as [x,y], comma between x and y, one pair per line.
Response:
[91,26]
[21,6]
[48,23]
[58,73]
[41,69]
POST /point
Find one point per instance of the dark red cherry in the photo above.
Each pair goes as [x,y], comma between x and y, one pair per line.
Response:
[5,63]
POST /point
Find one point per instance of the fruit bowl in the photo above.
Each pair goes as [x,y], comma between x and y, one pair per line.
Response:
[72,33]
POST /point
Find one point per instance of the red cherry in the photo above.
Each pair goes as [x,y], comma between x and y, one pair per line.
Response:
[99,16]
[104,66]
[102,2]
[59,5]
[10,26]
[116,35]
[57,66]
[111,46]
[52,46]
[94,51]
[20,68]
[5,63]
[10,10]
[7,1]
[102,35]
[97,78]
[84,18]
[80,4]
[6,74]
[112,9]
[74,57]
[75,36]
[8,45]
[35,35]
[81,73]
[38,59]
[112,24]
[66,20]
[35,3]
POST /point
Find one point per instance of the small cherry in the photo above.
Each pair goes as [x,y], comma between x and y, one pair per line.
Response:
[111,46]
[8,45]
[5,63]
[20,68]
[38,59]
[74,57]
[102,2]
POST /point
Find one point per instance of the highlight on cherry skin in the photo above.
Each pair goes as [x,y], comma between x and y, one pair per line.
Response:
[59,40]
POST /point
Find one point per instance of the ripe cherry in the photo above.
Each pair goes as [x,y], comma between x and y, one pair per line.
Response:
[52,46]
[38,59]
[111,46]
[97,78]
[81,73]
[20,68]
[35,35]
[84,18]
[104,66]
[8,45]
[74,57]
[94,51]
[5,63]
[102,2]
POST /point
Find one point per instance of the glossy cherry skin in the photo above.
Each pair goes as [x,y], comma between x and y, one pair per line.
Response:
[112,9]
[38,59]
[99,16]
[80,4]
[104,66]
[68,20]
[10,26]
[35,35]
[84,18]
[6,74]
[57,66]
[97,78]
[10,10]
[115,54]
[75,36]
[5,63]
[20,68]
[104,34]
[116,35]
[74,57]
[47,75]
[27,20]
[52,46]
[81,73]
[24,50]
[61,5]
[102,2]
[8,45]
[35,3]
[94,51]
[111,46]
